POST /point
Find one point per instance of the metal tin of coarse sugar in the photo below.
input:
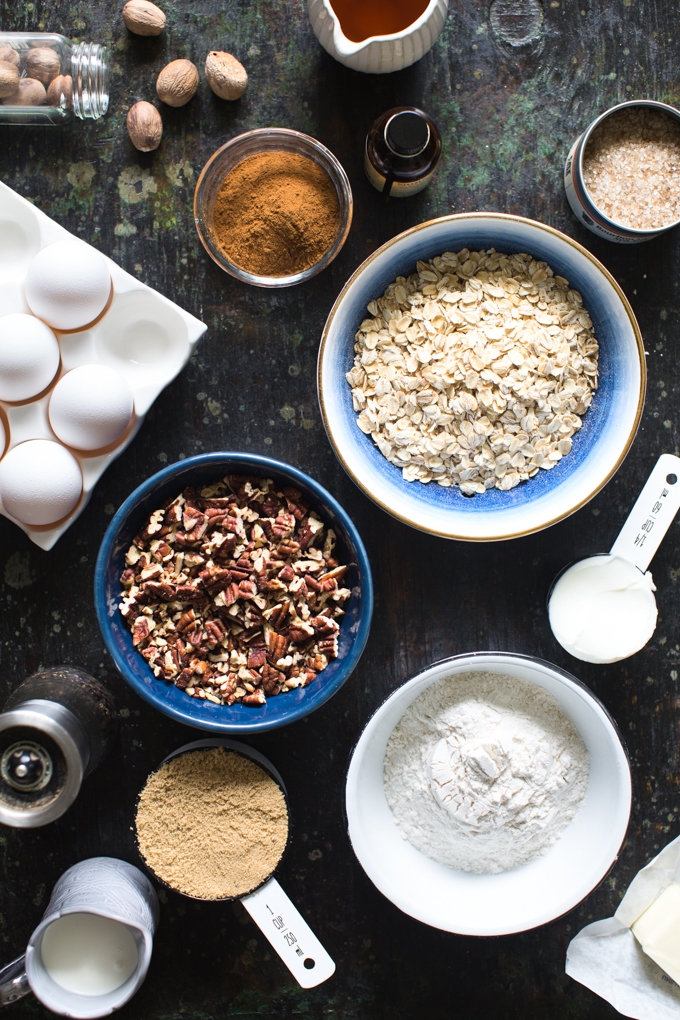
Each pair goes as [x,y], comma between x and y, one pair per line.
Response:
[578,197]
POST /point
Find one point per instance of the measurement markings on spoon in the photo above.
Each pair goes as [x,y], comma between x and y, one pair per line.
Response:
[653,513]
[288,935]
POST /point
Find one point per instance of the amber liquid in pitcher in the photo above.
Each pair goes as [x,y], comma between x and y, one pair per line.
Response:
[361,19]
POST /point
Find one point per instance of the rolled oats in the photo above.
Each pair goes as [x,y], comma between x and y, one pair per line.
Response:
[475,371]
[232,593]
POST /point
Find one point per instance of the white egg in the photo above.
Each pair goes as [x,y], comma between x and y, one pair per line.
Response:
[40,482]
[91,407]
[68,284]
[29,356]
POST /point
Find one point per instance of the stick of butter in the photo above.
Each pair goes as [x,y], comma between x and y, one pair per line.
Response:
[658,931]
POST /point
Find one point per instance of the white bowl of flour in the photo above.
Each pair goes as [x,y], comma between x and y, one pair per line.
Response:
[489,794]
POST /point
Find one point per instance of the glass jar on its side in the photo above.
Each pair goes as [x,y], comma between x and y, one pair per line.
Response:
[47,79]
[402,151]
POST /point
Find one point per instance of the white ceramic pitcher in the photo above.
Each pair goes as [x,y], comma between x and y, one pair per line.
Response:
[104,886]
[379,54]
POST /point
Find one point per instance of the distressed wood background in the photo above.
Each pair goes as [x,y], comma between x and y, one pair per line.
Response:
[511,83]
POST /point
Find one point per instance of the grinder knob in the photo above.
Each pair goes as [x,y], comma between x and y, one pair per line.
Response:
[26,766]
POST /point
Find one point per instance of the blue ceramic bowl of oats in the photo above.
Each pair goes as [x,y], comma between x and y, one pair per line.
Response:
[496,376]
[233,593]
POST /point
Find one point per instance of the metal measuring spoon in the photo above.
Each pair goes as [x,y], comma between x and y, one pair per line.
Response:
[273,912]
[602,609]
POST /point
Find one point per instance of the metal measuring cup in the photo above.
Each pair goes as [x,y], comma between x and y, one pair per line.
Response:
[269,906]
[636,545]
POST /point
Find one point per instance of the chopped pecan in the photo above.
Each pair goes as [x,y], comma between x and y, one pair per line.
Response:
[305,536]
[189,593]
[255,699]
[272,680]
[230,594]
[215,631]
[328,646]
[140,631]
[295,503]
[182,681]
[324,625]
[215,578]
[277,647]
[186,620]
[188,541]
[273,586]
[158,591]
[127,577]
[271,507]
[257,657]
[191,518]
[278,618]
[300,633]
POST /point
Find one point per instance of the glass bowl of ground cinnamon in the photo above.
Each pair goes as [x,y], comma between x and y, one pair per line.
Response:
[273,207]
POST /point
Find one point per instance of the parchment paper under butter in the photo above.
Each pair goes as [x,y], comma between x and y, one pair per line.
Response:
[607,958]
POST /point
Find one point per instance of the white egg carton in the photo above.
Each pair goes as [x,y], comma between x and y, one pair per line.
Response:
[145,337]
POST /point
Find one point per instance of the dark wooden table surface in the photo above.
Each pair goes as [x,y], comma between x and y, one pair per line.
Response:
[508,114]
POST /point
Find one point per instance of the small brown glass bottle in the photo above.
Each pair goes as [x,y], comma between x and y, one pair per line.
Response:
[402,151]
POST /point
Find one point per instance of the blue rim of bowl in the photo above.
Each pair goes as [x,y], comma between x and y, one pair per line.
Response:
[266,464]
[481,655]
[453,218]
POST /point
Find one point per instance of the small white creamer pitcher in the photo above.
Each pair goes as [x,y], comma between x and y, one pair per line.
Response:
[379,54]
[108,888]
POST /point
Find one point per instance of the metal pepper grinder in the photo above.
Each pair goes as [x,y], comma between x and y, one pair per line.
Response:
[55,729]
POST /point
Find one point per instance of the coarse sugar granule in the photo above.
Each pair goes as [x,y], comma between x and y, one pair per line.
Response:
[631,168]
[212,824]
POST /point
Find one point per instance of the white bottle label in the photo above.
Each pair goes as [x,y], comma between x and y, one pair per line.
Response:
[399,189]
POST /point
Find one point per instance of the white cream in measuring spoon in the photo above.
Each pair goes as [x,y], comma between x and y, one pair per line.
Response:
[603,609]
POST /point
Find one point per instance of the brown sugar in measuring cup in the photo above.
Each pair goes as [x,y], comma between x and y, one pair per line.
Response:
[216,806]
[212,823]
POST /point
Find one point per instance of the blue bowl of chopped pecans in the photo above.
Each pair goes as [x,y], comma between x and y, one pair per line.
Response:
[233,593]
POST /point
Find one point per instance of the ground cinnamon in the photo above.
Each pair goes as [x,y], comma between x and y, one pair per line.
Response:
[275,214]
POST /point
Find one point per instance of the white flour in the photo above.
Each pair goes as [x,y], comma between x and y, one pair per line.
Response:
[484,771]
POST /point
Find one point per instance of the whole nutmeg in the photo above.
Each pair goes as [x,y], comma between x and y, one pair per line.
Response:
[143,17]
[9,55]
[42,63]
[60,91]
[145,126]
[29,93]
[227,77]
[177,82]
[9,79]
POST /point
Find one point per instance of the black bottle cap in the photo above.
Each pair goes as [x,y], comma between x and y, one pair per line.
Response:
[407,134]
